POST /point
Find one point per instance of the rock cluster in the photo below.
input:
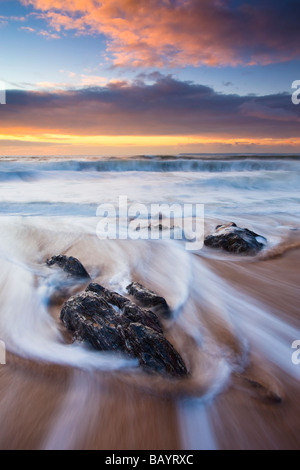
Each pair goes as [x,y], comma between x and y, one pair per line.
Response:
[109,321]
[234,239]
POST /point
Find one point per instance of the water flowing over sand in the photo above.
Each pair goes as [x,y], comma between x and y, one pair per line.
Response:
[234,317]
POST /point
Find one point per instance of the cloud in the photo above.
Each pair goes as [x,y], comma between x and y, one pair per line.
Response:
[28,29]
[91,80]
[44,33]
[157,33]
[261,111]
[79,81]
[48,35]
[12,18]
[167,107]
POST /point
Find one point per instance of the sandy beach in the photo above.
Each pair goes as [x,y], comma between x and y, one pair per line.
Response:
[46,405]
[149,227]
[234,318]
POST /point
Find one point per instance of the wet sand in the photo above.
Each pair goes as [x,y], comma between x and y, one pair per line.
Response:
[255,424]
[44,406]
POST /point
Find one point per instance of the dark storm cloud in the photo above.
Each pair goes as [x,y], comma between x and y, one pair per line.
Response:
[166,107]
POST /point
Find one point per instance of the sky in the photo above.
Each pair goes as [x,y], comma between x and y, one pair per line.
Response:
[127,77]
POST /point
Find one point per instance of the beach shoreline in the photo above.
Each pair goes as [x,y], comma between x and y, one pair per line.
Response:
[52,406]
[234,318]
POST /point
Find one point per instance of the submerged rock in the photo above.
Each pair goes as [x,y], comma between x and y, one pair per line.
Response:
[234,239]
[111,322]
[70,265]
[260,391]
[147,298]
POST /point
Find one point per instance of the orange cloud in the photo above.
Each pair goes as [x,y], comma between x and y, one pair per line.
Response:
[182,32]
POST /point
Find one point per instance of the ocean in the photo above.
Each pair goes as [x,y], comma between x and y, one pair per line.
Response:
[234,319]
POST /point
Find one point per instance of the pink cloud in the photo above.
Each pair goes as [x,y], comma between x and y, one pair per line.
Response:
[182,32]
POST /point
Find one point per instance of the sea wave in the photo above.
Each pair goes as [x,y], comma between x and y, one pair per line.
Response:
[23,170]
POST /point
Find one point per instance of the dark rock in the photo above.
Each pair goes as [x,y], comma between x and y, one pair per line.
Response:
[92,319]
[153,350]
[234,239]
[129,329]
[130,310]
[112,297]
[70,265]
[147,298]
[136,314]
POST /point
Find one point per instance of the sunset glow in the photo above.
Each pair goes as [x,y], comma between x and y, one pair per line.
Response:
[152,76]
